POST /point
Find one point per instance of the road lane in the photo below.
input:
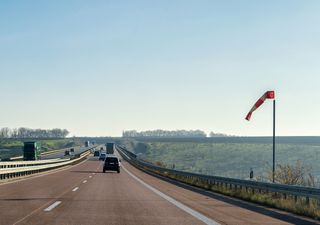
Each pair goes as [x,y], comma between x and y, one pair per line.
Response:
[223,209]
[113,198]
[60,154]
[20,199]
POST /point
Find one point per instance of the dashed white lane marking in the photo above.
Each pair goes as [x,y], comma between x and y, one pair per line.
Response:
[85,181]
[90,176]
[51,207]
[185,208]
[75,189]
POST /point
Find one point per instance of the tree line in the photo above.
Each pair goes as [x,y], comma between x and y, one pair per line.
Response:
[23,132]
[164,133]
[170,133]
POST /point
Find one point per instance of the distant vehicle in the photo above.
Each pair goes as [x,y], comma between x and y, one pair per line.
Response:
[102,156]
[101,149]
[67,152]
[31,150]
[111,163]
[96,153]
[87,144]
[110,148]
[71,149]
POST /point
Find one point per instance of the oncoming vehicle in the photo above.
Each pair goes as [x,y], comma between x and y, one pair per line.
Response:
[112,163]
[67,152]
[96,153]
[31,150]
[102,156]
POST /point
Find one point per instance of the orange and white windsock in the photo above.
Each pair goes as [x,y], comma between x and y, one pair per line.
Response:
[267,95]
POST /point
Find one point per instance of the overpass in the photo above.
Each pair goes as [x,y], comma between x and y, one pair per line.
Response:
[82,194]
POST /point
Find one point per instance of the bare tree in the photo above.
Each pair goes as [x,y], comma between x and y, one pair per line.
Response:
[296,174]
[5,132]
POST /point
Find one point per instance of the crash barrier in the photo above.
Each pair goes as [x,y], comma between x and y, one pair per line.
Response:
[19,158]
[9,170]
[229,183]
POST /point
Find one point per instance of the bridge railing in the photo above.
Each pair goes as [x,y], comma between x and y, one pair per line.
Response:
[9,170]
[230,183]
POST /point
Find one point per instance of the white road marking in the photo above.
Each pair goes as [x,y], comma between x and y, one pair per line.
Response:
[75,189]
[90,176]
[52,206]
[85,181]
[185,208]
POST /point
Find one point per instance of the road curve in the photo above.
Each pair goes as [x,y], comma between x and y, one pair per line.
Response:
[84,195]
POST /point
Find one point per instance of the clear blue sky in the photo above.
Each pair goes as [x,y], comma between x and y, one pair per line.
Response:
[100,67]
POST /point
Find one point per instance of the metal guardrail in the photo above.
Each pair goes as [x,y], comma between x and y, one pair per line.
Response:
[29,163]
[23,168]
[16,158]
[20,163]
[292,190]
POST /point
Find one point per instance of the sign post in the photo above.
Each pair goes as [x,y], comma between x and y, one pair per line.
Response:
[268,95]
[274,141]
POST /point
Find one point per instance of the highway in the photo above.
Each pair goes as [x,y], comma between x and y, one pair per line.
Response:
[60,154]
[82,194]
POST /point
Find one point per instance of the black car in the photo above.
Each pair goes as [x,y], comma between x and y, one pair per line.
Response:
[111,163]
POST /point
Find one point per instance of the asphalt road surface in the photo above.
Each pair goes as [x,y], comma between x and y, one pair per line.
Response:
[82,194]
[61,155]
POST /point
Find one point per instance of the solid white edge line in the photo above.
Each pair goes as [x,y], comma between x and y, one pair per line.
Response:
[75,189]
[185,208]
[52,206]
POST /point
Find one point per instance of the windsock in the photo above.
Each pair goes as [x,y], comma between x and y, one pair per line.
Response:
[267,95]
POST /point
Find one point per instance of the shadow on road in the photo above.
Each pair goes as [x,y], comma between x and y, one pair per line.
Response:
[23,199]
[76,171]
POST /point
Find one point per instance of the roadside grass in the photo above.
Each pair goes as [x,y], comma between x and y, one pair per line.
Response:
[226,159]
[299,206]
[233,160]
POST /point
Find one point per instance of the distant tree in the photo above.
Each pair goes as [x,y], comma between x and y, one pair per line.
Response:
[212,134]
[23,132]
[164,133]
[14,133]
[5,132]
